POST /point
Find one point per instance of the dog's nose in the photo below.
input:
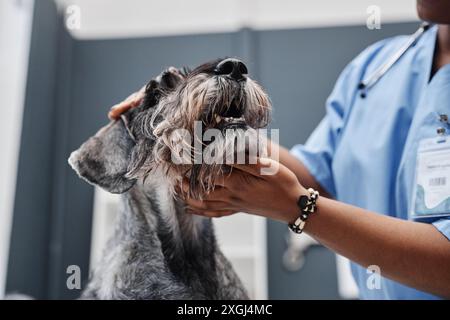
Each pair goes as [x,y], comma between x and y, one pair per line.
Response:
[233,68]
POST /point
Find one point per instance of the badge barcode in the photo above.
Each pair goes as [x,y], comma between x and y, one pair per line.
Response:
[440,181]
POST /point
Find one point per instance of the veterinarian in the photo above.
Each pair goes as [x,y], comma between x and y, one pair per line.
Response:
[380,160]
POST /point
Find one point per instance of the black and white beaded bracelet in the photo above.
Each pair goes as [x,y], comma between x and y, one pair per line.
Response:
[307,205]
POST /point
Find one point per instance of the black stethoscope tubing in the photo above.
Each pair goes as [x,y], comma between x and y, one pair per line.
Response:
[365,85]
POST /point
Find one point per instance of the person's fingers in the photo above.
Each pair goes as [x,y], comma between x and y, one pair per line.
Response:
[132,101]
[207,205]
[136,98]
[212,213]
[222,180]
[221,192]
[218,181]
[224,184]
[119,108]
[194,203]
[257,169]
[131,97]
[218,194]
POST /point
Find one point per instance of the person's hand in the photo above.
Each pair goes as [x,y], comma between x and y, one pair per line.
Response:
[245,189]
[132,101]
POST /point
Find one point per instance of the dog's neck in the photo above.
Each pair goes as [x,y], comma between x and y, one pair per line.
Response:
[166,211]
[185,241]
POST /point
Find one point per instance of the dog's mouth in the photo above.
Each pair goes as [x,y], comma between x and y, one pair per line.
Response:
[226,115]
[227,122]
[224,123]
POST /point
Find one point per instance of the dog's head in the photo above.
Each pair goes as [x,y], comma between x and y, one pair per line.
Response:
[188,125]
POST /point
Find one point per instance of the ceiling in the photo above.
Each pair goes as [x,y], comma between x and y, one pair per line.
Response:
[134,18]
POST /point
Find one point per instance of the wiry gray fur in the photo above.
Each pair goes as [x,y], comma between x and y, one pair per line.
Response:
[157,251]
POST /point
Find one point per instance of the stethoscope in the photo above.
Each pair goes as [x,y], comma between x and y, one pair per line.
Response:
[365,85]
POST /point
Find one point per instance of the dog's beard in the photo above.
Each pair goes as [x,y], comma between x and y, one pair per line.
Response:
[207,100]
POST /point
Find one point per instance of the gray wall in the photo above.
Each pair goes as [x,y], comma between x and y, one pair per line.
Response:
[70,88]
[29,249]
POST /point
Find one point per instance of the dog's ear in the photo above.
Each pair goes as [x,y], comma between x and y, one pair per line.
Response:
[165,82]
[103,159]
[170,78]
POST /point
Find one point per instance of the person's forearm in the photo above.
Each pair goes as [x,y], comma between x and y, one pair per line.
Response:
[413,253]
[302,173]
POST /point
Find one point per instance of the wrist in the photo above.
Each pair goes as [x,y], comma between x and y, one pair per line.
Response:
[293,211]
[307,205]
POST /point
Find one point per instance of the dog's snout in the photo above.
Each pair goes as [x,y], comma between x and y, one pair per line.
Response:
[233,68]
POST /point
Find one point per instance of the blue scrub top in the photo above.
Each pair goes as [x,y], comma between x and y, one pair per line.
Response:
[364,151]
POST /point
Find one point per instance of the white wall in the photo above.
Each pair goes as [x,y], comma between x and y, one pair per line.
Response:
[15,31]
[133,18]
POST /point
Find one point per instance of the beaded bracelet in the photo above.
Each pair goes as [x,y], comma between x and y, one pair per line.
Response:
[307,206]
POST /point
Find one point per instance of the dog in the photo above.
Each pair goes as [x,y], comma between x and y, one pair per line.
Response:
[158,251]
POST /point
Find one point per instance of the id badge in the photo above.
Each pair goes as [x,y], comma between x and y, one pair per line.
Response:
[431,198]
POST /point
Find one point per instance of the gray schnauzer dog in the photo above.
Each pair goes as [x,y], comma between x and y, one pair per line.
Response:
[158,251]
